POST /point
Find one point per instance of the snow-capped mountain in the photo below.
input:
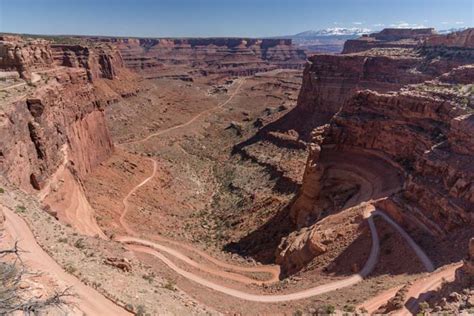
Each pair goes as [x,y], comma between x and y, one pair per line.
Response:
[334,31]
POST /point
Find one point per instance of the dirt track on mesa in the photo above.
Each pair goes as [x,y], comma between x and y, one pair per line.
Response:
[89,300]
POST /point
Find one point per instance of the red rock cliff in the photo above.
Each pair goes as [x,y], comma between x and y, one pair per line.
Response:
[231,56]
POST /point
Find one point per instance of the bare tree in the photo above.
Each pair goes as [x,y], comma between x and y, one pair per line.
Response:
[15,298]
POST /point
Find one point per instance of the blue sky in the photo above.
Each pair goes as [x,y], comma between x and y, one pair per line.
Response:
[252,18]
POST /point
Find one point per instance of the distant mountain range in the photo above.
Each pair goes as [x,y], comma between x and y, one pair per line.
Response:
[334,31]
[349,32]
[332,39]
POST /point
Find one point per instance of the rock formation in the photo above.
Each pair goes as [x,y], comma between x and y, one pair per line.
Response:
[24,56]
[100,62]
[58,124]
[416,115]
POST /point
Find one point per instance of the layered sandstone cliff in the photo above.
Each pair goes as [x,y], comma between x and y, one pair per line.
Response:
[54,131]
[392,103]
[204,56]
[24,56]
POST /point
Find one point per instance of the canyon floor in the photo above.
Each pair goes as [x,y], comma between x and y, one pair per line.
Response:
[176,178]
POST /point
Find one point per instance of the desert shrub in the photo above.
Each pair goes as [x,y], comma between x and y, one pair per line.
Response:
[140,311]
[20,209]
[79,244]
[69,268]
[2,190]
[170,285]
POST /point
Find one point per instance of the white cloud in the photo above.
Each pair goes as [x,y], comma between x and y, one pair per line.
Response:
[357,23]
[459,22]
[444,23]
[336,23]
[403,24]
[378,24]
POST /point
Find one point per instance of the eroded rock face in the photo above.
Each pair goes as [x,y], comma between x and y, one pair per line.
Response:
[66,109]
[329,81]
[418,131]
[305,209]
[228,56]
[100,62]
[24,56]
[413,106]
[299,248]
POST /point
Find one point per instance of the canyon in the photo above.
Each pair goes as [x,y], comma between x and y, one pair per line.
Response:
[239,175]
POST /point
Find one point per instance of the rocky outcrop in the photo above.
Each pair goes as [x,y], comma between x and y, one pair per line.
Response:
[417,131]
[24,56]
[205,56]
[295,251]
[305,206]
[329,81]
[60,121]
[100,62]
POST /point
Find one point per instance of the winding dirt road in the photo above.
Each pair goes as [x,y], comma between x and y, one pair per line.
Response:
[420,290]
[156,249]
[368,267]
[274,271]
[89,300]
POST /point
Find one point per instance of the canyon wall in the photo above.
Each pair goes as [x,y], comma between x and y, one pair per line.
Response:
[397,104]
[53,130]
[416,127]
[205,56]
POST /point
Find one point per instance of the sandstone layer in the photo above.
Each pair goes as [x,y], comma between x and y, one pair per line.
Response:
[207,56]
